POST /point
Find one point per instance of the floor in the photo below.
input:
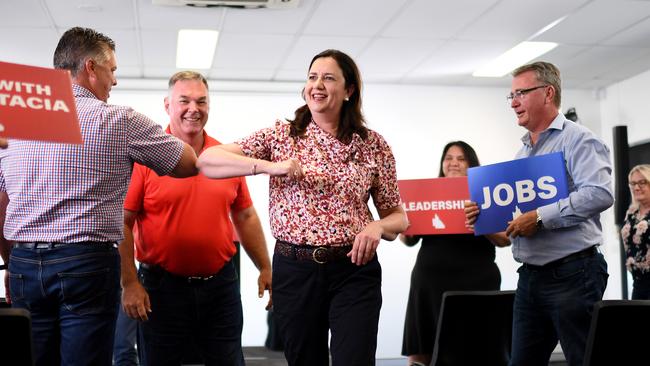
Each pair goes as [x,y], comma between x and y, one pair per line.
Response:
[260,356]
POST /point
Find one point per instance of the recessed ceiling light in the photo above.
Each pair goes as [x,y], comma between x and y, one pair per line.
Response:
[513,58]
[195,48]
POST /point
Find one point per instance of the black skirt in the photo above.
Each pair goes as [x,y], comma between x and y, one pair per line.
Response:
[444,263]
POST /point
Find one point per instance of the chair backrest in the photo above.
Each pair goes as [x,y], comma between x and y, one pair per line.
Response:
[474,328]
[16,337]
[618,333]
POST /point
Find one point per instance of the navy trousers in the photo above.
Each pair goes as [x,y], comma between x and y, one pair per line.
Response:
[310,299]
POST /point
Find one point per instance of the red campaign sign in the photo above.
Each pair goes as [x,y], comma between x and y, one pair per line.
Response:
[435,206]
[37,103]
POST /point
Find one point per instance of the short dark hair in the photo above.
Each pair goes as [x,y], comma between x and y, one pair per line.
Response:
[187,75]
[546,73]
[352,120]
[78,44]
[468,151]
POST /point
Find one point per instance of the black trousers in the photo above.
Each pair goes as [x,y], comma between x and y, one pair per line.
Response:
[310,299]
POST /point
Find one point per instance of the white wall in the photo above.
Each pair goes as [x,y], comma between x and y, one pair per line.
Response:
[417,122]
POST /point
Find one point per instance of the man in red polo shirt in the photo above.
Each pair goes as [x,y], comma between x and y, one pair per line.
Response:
[188,290]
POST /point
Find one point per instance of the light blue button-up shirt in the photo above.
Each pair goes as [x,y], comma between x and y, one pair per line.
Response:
[573,223]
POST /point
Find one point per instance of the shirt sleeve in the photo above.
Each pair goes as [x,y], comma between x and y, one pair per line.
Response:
[150,146]
[243,199]
[259,145]
[589,169]
[135,193]
[384,190]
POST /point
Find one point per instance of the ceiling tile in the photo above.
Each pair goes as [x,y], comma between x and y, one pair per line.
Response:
[261,51]
[10,8]
[460,57]
[395,56]
[519,28]
[267,21]
[637,35]
[352,18]
[596,21]
[306,47]
[92,13]
[436,19]
[629,67]
[597,61]
[156,53]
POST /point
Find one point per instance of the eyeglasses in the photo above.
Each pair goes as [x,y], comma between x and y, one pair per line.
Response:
[641,184]
[520,93]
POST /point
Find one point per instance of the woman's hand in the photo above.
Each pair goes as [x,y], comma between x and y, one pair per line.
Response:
[290,168]
[471,214]
[366,243]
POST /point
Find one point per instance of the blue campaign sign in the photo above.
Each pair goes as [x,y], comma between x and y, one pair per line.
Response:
[504,191]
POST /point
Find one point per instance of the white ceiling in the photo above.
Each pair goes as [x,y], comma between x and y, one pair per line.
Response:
[430,42]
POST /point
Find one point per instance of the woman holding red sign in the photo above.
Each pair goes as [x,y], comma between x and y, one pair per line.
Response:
[451,262]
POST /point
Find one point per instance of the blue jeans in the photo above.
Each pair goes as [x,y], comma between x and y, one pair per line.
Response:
[206,314]
[72,294]
[556,304]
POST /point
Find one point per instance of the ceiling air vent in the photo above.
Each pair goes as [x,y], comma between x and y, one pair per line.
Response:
[271,4]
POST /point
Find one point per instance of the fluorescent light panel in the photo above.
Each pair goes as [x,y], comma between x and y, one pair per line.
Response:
[513,58]
[195,48]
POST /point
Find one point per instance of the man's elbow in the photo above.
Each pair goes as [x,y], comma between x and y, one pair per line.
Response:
[187,165]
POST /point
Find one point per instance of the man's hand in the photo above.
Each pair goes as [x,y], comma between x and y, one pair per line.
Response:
[135,301]
[524,225]
[264,283]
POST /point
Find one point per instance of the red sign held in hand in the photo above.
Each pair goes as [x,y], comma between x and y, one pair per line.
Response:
[37,103]
[435,206]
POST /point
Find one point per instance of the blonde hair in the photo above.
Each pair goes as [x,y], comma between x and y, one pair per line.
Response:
[644,170]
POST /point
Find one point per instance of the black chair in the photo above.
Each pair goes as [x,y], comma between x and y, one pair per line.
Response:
[474,328]
[16,337]
[618,333]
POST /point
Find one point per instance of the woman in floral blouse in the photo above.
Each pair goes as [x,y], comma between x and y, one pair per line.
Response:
[635,233]
[324,165]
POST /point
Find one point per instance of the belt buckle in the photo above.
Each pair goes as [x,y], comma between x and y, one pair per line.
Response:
[314,255]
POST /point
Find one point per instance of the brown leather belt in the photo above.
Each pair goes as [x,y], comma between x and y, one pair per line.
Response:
[318,254]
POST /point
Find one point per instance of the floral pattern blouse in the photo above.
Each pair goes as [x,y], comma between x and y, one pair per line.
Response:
[636,239]
[330,205]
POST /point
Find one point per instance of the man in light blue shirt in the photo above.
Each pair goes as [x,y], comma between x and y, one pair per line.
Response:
[562,273]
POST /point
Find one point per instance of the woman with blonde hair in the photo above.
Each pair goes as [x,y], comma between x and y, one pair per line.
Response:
[635,233]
